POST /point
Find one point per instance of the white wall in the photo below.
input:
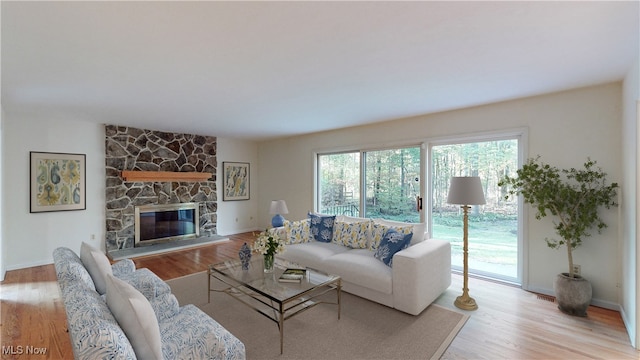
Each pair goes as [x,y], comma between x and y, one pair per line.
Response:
[564,128]
[630,251]
[238,216]
[29,239]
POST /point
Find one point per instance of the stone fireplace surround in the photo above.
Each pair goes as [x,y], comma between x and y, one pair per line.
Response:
[128,148]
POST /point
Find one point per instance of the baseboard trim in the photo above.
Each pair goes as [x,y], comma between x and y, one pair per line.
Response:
[28,265]
[595,302]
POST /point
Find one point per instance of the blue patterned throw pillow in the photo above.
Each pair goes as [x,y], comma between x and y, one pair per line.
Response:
[392,242]
[321,227]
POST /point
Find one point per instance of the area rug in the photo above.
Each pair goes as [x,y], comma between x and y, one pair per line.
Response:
[366,330]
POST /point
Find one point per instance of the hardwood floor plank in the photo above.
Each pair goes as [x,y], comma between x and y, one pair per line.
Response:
[509,324]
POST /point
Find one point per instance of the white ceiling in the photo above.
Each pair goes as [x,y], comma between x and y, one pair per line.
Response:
[260,70]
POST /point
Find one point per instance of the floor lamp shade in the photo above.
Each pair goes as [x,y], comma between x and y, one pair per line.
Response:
[277,209]
[466,191]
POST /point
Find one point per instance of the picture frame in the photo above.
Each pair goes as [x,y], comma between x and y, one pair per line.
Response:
[235,181]
[57,182]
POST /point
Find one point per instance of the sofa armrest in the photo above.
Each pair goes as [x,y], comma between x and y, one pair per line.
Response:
[123,267]
[148,283]
[420,274]
[165,306]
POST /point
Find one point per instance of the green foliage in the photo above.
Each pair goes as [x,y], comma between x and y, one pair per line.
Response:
[572,196]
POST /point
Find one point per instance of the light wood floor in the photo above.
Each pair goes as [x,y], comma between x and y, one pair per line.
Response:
[509,324]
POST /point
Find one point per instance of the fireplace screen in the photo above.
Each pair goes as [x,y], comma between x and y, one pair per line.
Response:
[163,223]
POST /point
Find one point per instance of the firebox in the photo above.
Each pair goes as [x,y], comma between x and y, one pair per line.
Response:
[163,223]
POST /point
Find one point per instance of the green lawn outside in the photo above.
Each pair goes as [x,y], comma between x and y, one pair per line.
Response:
[492,241]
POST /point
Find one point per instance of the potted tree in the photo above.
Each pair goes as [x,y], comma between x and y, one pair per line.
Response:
[574,197]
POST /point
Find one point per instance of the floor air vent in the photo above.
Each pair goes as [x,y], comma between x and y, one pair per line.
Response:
[546,297]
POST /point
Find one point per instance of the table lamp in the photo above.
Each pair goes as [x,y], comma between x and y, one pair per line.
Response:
[465,191]
[277,208]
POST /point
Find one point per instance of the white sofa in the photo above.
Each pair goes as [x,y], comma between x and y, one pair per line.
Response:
[418,275]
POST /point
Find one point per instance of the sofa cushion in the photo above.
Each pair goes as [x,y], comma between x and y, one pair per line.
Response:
[146,282]
[97,264]
[379,230]
[418,228]
[136,317]
[297,232]
[311,254]
[94,331]
[352,234]
[392,242]
[321,227]
[358,266]
[192,334]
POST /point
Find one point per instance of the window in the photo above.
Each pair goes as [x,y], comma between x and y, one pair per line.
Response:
[339,184]
[386,187]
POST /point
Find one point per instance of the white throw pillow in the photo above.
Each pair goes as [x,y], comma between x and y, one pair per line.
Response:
[97,264]
[136,318]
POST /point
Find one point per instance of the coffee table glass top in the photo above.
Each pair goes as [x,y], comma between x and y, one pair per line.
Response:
[267,284]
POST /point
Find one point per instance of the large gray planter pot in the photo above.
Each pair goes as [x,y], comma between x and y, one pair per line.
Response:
[572,294]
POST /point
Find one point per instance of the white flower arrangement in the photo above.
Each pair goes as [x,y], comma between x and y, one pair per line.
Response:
[268,243]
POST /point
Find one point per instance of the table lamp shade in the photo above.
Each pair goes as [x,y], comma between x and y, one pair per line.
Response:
[277,208]
[466,190]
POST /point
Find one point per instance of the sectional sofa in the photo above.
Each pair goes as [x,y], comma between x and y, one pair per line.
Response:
[391,263]
[118,312]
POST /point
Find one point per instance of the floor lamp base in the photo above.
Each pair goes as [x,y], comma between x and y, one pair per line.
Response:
[465,302]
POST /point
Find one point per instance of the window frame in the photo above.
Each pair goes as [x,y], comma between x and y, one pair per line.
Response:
[363,150]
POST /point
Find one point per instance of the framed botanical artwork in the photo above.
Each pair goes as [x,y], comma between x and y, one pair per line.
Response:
[58,182]
[235,178]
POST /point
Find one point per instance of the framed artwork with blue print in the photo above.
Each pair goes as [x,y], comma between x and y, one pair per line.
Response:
[57,182]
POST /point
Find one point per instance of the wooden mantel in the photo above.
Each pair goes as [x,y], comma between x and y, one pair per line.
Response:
[164,176]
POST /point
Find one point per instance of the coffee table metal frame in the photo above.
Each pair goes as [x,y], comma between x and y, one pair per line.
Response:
[262,292]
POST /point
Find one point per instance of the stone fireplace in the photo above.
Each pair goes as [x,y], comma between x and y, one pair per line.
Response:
[128,148]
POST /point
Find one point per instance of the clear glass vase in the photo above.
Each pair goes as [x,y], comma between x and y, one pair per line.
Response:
[268,263]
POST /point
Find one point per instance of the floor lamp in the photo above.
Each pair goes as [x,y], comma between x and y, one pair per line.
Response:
[466,191]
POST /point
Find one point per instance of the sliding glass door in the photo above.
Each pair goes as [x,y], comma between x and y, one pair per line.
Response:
[389,183]
[494,249]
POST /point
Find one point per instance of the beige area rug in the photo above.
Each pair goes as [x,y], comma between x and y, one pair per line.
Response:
[366,330]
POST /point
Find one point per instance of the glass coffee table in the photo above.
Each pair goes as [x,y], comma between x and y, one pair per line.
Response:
[264,293]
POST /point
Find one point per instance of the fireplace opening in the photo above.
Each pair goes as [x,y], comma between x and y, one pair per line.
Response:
[163,223]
